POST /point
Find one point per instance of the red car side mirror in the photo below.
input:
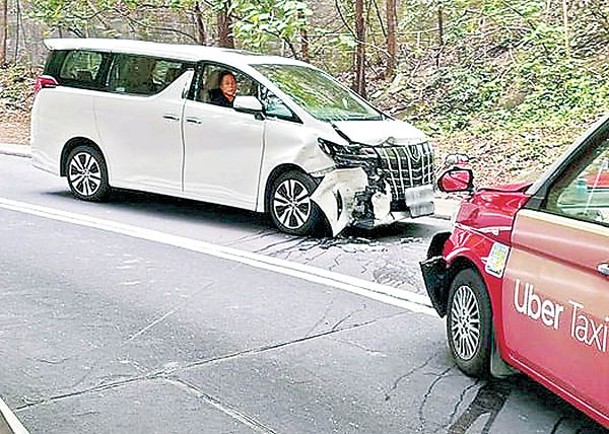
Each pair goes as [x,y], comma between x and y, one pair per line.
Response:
[456,179]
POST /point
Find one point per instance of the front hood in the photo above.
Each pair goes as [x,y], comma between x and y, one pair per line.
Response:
[508,188]
[375,133]
[492,211]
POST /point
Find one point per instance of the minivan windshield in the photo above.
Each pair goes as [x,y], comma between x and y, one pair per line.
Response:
[318,93]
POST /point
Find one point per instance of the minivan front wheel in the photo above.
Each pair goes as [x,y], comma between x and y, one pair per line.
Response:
[290,204]
[87,174]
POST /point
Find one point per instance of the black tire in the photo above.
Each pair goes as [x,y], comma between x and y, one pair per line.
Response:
[290,204]
[87,174]
[469,323]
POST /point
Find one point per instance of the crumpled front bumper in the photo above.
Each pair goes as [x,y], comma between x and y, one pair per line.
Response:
[346,197]
[435,273]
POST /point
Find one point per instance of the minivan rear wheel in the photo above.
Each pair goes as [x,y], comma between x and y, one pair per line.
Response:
[87,174]
[290,204]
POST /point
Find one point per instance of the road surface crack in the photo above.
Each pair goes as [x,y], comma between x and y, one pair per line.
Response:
[421,416]
[291,242]
[464,392]
[220,406]
[323,317]
[349,315]
[406,375]
[280,345]
[250,237]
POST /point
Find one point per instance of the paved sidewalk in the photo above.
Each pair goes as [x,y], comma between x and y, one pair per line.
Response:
[445,208]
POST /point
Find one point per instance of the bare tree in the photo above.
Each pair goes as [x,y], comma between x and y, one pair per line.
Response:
[3,31]
[304,40]
[392,23]
[225,28]
[565,18]
[440,34]
[359,82]
[200,26]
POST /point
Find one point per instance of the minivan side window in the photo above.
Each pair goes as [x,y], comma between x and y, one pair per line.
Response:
[142,75]
[209,82]
[582,190]
[81,68]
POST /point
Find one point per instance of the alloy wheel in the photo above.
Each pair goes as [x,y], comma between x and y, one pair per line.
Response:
[85,174]
[292,204]
[465,323]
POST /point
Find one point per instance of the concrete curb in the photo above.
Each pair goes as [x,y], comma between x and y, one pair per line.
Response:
[16,150]
[9,423]
[445,208]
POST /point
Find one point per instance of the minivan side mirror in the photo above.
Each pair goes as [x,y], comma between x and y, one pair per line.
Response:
[457,158]
[247,104]
[456,179]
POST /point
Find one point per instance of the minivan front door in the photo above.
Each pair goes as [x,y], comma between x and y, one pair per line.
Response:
[223,154]
[223,148]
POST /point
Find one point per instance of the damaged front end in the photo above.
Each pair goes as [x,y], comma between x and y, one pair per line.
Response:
[375,185]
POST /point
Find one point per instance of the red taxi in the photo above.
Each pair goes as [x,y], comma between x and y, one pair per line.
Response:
[523,278]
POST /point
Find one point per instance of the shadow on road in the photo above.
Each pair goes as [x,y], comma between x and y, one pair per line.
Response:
[493,394]
[167,207]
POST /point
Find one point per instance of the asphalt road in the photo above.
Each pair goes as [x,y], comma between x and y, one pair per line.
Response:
[105,328]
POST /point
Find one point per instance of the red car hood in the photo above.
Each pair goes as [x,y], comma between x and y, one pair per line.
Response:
[492,210]
[520,186]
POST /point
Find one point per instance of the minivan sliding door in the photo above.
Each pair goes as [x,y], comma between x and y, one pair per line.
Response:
[139,120]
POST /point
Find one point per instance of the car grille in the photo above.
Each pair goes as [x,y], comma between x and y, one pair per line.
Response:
[405,167]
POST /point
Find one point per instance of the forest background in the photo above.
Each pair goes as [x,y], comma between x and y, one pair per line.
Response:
[511,83]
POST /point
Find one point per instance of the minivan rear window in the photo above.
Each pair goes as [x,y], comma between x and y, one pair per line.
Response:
[81,66]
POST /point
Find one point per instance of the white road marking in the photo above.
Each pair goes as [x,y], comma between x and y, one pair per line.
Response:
[15,424]
[376,291]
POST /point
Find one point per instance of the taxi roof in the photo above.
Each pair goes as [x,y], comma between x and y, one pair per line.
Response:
[193,53]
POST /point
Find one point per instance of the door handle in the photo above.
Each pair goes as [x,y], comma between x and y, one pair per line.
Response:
[171,117]
[194,120]
[603,269]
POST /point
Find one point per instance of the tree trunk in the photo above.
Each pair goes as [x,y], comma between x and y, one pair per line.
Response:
[201,33]
[440,35]
[17,34]
[3,31]
[565,18]
[359,83]
[225,29]
[304,41]
[392,23]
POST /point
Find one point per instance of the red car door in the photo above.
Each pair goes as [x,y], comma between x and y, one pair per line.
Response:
[555,293]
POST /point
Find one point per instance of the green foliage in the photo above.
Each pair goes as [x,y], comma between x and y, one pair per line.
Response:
[265,21]
[16,85]
[506,67]
[499,67]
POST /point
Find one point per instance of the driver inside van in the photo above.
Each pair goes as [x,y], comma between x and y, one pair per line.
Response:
[224,95]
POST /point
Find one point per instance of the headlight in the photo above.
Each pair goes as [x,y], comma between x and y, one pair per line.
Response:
[327,146]
[351,155]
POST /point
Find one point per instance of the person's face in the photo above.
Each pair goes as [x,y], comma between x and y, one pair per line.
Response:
[228,86]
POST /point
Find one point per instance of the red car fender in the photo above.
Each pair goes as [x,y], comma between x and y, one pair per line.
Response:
[469,244]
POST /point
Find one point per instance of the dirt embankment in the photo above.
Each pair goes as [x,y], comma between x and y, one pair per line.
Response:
[14,127]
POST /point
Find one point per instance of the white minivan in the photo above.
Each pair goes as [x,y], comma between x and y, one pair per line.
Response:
[293,143]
